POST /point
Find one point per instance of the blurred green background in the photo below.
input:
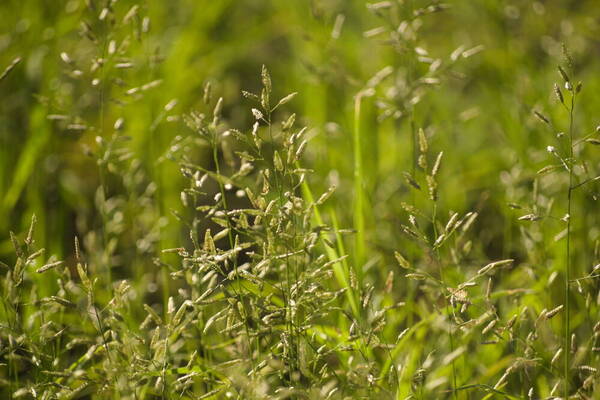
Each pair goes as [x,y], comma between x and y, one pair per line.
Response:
[480,113]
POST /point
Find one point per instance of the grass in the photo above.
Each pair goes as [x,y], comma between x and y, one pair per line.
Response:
[359,182]
[568,256]
[330,200]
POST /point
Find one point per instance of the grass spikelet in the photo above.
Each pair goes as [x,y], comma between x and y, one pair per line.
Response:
[556,356]
[35,254]
[410,180]
[541,117]
[563,74]
[9,68]
[489,327]
[559,94]
[402,261]
[437,163]
[49,266]
[550,314]
[423,145]
[491,266]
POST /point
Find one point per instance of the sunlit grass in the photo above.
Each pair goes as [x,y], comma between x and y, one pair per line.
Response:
[260,199]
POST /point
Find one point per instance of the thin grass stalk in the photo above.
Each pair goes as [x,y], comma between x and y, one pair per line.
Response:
[288,295]
[296,322]
[448,310]
[157,177]
[102,170]
[359,218]
[352,294]
[568,256]
[292,247]
[414,156]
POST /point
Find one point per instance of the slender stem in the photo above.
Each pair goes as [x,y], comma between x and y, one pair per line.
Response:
[287,295]
[448,310]
[568,260]
[359,219]
[359,215]
[102,168]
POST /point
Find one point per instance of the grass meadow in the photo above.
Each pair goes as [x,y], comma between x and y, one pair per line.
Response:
[320,199]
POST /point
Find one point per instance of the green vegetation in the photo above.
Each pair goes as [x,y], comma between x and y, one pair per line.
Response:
[325,199]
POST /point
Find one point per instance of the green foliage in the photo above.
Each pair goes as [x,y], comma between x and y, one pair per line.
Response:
[328,199]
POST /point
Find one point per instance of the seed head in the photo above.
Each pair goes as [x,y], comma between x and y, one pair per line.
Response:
[563,74]
[558,94]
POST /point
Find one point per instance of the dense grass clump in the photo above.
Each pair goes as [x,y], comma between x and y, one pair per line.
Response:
[323,200]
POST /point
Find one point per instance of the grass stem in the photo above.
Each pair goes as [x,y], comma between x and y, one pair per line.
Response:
[567,333]
[359,218]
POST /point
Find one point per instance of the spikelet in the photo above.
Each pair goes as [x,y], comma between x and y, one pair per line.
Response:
[10,67]
[556,356]
[541,117]
[491,266]
[553,312]
[49,266]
